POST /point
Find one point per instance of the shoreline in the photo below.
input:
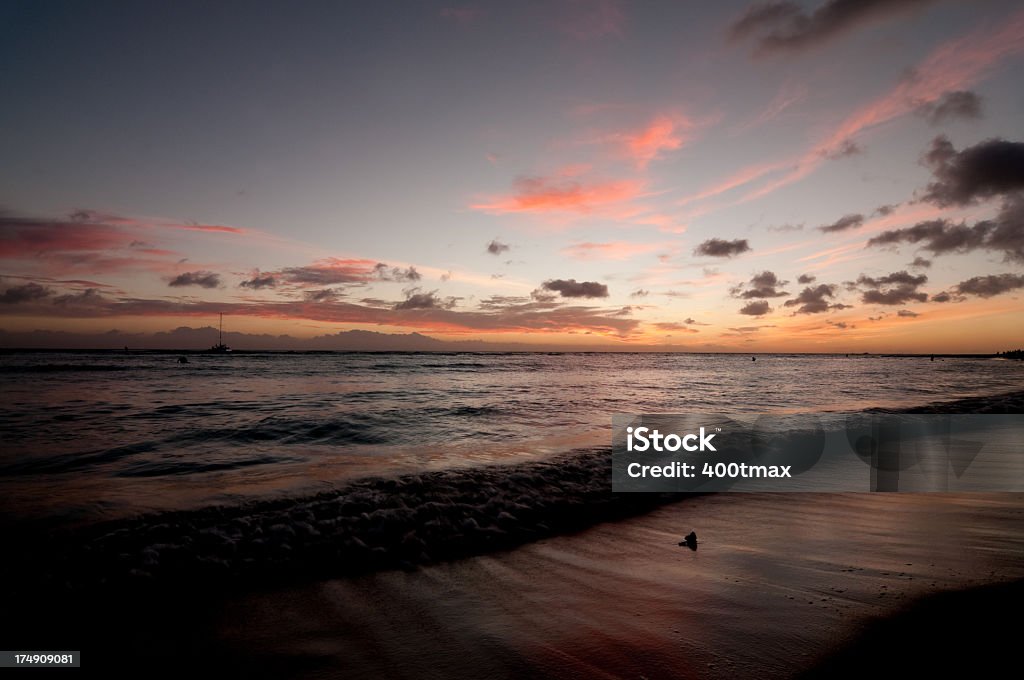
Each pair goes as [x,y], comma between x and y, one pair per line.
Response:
[368,525]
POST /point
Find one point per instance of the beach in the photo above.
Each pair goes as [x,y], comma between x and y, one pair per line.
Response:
[777,583]
[533,568]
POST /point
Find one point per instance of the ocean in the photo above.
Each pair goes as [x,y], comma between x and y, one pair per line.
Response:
[104,435]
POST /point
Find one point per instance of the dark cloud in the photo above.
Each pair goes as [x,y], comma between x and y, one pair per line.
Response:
[640,292]
[1007,235]
[783,26]
[950,106]
[323,295]
[259,281]
[28,292]
[576,289]
[921,263]
[942,297]
[1004,234]
[502,301]
[203,279]
[937,236]
[841,325]
[897,288]
[763,285]
[991,168]
[496,247]
[851,221]
[893,289]
[815,300]
[89,297]
[907,313]
[785,227]
[417,300]
[384,273]
[885,210]
[329,272]
[756,308]
[993,284]
[716,247]
[543,296]
[901,278]
[806,278]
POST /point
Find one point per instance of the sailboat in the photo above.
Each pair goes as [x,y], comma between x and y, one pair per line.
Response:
[220,347]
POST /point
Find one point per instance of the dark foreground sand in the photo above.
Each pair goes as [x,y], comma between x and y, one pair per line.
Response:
[781,584]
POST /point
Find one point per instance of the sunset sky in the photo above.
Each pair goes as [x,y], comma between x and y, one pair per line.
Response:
[816,176]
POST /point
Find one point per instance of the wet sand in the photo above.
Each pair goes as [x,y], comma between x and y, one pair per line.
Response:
[778,582]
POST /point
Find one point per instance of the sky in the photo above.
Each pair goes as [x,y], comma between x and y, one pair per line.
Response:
[825,176]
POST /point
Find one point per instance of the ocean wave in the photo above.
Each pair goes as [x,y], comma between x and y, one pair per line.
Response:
[71,462]
[164,468]
[371,524]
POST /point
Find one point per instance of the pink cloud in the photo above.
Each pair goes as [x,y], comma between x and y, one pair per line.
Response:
[740,178]
[561,194]
[28,237]
[664,222]
[664,133]
[91,242]
[614,250]
[210,227]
